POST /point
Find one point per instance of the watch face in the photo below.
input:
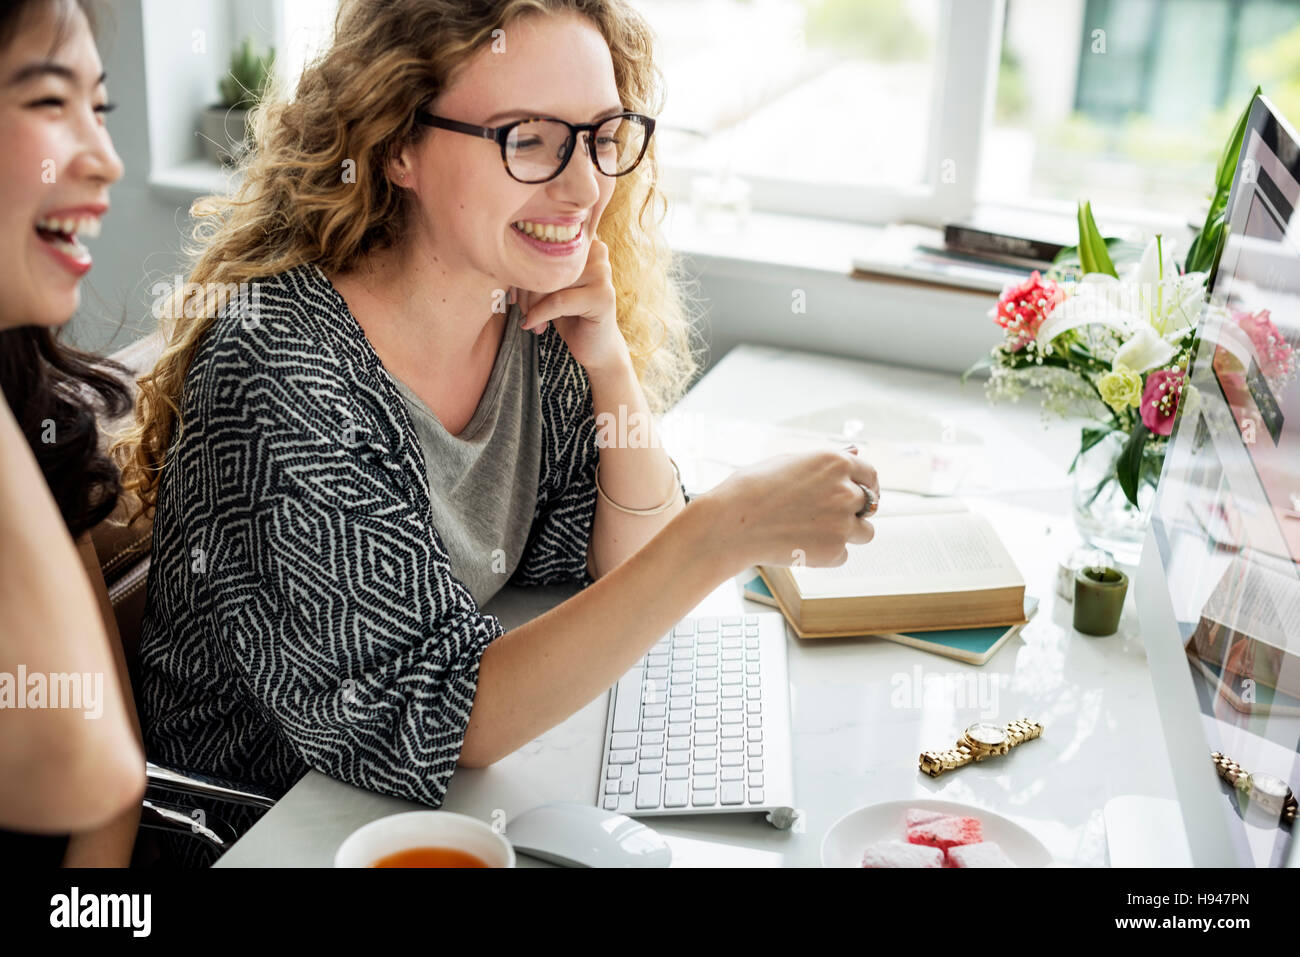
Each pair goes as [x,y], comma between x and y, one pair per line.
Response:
[989,735]
[1268,786]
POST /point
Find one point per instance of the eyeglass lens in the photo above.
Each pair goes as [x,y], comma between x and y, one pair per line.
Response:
[536,149]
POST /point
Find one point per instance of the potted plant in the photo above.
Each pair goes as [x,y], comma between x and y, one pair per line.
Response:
[224,131]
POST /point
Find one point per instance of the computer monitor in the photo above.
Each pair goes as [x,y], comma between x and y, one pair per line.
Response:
[1218,586]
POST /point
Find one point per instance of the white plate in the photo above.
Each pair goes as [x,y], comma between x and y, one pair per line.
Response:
[849,836]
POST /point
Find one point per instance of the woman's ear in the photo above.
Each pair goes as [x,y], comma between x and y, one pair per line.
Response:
[399,168]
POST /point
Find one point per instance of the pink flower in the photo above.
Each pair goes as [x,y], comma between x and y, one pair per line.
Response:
[1275,353]
[1022,309]
[1160,400]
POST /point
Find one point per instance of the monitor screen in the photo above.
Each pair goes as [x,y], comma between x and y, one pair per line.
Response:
[1226,516]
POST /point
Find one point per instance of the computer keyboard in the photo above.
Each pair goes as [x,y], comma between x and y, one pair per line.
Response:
[701,724]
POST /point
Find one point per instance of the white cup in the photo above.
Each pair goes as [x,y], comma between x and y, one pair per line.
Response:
[403,832]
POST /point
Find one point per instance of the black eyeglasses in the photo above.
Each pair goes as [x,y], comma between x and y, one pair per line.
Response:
[537,149]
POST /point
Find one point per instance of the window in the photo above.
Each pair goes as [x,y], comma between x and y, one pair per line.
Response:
[1129,102]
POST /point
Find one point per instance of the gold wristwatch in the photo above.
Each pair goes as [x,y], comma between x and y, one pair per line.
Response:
[1266,792]
[978,742]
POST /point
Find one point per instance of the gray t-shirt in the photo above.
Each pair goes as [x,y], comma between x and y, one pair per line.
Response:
[483,482]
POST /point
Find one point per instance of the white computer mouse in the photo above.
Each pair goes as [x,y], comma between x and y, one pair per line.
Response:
[580,835]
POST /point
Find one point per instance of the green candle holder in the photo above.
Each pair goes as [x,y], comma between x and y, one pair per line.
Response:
[1099,600]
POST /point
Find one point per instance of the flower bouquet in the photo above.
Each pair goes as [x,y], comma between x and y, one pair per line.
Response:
[1112,345]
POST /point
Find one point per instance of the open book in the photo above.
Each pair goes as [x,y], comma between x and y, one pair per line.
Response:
[935,566]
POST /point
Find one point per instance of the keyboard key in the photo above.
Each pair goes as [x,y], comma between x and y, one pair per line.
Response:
[705,740]
[706,754]
[728,704]
[704,624]
[755,795]
[756,780]
[704,798]
[753,681]
[627,701]
[677,773]
[733,774]
[657,674]
[656,661]
[626,803]
[652,724]
[751,655]
[733,744]
[650,767]
[675,793]
[677,728]
[678,757]
[686,679]
[685,627]
[686,666]
[754,751]
[652,737]
[623,757]
[651,753]
[708,674]
[705,698]
[732,760]
[731,689]
[654,711]
[753,707]
[754,734]
[751,642]
[731,654]
[611,787]
[622,739]
[626,785]
[648,790]
[681,743]
[730,731]
[755,764]
[754,720]
[614,771]
[678,715]
[705,725]
[731,718]
[611,804]
[731,667]
[705,782]
[754,694]
[730,620]
[705,767]
[733,793]
[751,620]
[705,687]
[706,711]
[751,669]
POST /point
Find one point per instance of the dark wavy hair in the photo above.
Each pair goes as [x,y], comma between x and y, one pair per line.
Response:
[53,389]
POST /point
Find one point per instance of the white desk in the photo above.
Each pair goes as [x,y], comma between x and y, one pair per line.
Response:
[858,726]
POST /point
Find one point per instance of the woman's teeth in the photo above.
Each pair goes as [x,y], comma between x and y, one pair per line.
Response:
[549,232]
[87,226]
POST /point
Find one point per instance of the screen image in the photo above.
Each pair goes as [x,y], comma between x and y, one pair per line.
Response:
[1227,511]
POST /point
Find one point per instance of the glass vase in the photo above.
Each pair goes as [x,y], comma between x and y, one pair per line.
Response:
[1103,514]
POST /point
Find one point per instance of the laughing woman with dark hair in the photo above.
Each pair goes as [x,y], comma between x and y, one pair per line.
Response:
[60,774]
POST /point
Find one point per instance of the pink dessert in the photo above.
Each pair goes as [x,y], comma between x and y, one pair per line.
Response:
[985,854]
[946,832]
[900,854]
[920,815]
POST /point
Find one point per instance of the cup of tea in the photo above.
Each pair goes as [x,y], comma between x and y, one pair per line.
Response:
[425,839]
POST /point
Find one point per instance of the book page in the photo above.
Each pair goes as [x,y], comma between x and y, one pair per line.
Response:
[943,552]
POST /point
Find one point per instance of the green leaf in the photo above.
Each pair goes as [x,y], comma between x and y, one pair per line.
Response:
[1232,149]
[1093,256]
[1128,467]
[1089,437]
[983,363]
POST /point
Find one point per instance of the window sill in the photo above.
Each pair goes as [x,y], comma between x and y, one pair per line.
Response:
[186,181]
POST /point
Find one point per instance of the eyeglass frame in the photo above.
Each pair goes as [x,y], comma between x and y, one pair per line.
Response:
[501,135]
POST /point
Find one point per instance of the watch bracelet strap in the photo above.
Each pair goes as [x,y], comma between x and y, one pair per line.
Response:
[934,763]
[1022,730]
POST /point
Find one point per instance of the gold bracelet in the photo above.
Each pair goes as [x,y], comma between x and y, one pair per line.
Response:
[672,494]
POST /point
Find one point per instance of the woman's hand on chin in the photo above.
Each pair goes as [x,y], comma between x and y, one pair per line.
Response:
[584,315]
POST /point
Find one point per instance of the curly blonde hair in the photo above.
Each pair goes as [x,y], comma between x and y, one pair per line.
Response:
[357,101]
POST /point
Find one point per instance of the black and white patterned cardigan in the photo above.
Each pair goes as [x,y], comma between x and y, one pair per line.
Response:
[301,609]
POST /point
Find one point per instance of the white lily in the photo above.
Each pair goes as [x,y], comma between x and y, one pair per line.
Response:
[1150,297]
[1144,350]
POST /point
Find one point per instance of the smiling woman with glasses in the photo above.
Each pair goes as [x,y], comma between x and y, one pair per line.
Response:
[359,448]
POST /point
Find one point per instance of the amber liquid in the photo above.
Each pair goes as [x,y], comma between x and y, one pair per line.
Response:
[430,857]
